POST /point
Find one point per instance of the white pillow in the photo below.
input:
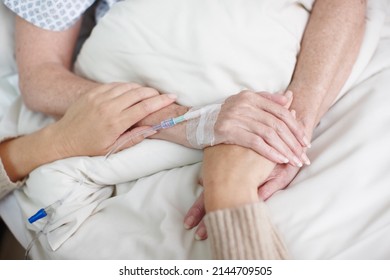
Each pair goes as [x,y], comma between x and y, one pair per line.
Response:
[201,50]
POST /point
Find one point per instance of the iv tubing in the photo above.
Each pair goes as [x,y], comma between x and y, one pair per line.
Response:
[162,125]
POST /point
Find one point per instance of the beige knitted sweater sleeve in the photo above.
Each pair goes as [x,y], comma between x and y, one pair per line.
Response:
[244,233]
[6,185]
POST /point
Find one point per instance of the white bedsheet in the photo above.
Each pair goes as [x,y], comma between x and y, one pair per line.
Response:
[336,208]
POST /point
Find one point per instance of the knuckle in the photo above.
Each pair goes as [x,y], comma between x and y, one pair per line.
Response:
[279,127]
[114,84]
[127,86]
[134,85]
[148,91]
[297,148]
[120,88]
[284,113]
[243,99]
[222,129]
[91,97]
[124,87]
[247,96]
[269,134]
[146,106]
[264,94]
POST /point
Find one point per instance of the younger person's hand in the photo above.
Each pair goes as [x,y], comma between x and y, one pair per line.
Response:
[93,124]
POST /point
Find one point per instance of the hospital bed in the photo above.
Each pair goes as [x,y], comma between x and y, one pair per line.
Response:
[336,208]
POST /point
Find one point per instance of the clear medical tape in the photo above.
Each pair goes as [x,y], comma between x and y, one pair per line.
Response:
[200,132]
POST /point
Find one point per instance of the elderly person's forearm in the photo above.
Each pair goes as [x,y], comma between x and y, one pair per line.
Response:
[330,46]
[46,81]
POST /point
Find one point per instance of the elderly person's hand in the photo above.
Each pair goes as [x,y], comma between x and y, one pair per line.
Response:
[98,119]
[262,122]
[259,121]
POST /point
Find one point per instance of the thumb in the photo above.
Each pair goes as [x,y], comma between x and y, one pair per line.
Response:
[284,100]
[278,98]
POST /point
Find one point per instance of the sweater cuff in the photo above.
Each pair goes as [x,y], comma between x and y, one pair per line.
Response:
[6,186]
[244,233]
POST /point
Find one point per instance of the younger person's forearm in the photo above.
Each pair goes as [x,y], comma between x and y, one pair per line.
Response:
[231,176]
[23,154]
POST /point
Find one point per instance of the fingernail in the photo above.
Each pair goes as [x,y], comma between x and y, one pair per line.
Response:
[189,222]
[172,96]
[200,234]
[294,113]
[307,142]
[305,159]
[265,194]
[297,162]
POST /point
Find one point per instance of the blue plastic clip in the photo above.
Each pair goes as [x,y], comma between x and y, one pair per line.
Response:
[39,215]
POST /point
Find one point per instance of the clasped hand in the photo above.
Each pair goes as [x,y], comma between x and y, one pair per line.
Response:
[105,115]
[261,122]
